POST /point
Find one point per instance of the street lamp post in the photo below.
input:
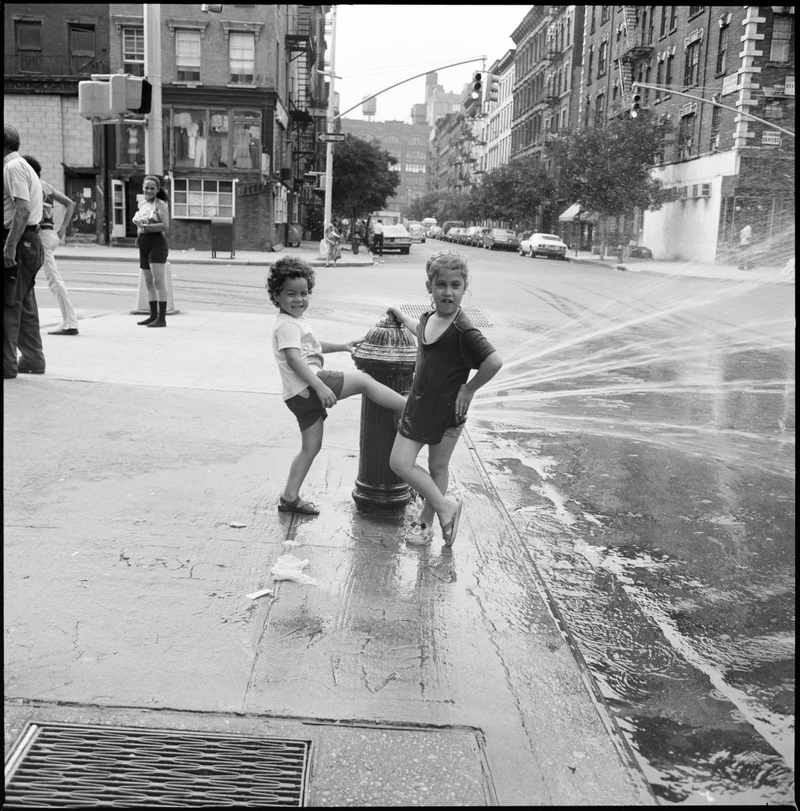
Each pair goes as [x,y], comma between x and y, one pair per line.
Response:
[154,136]
[330,125]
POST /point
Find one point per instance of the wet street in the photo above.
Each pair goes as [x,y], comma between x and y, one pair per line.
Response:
[642,435]
[641,438]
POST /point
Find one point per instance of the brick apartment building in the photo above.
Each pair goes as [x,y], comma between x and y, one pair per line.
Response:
[242,104]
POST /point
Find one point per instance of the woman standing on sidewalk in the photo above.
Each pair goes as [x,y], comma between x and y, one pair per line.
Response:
[152,223]
[332,238]
[50,240]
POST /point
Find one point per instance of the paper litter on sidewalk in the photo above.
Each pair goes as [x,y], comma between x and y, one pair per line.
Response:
[256,594]
[288,567]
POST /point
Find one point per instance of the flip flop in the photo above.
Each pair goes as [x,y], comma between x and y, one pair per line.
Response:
[450,531]
[297,506]
[419,534]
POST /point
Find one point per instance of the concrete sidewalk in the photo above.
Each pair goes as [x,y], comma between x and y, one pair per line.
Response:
[142,473]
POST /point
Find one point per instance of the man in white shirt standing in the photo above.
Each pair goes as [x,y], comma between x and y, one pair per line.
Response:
[22,257]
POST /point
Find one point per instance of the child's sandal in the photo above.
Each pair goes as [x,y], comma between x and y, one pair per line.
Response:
[297,506]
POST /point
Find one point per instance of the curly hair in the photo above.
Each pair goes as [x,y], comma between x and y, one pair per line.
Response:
[447,260]
[288,267]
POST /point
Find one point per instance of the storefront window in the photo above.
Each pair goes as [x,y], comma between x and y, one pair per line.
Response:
[246,140]
[202,199]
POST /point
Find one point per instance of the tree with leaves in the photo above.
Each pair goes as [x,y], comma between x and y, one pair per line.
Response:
[362,179]
[513,192]
[610,171]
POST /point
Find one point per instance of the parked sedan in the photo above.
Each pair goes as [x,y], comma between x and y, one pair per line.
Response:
[454,234]
[538,244]
[416,232]
[500,238]
[474,236]
[396,238]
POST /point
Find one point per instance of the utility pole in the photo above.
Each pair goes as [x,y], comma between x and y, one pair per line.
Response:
[330,125]
[153,130]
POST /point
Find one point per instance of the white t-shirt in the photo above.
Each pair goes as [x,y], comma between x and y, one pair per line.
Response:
[290,332]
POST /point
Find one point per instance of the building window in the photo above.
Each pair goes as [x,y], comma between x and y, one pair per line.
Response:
[202,199]
[589,66]
[647,71]
[600,109]
[691,68]
[773,110]
[673,18]
[686,136]
[602,57]
[695,10]
[28,37]
[662,31]
[133,51]
[659,76]
[81,42]
[715,119]
[246,140]
[668,78]
[187,56]
[782,47]
[242,57]
[651,28]
[722,48]
[604,14]
[592,25]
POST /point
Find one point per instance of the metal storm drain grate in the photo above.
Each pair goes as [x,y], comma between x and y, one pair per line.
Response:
[64,765]
[475,315]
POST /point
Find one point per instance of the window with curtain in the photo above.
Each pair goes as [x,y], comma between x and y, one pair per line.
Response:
[242,53]
[81,40]
[187,56]
[133,51]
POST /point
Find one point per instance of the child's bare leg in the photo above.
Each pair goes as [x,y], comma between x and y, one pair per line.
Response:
[439,467]
[301,464]
[403,462]
[362,383]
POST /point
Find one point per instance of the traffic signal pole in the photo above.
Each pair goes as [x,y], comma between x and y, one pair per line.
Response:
[154,128]
[716,104]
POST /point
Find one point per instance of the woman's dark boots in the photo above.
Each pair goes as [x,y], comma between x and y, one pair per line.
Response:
[153,315]
[161,321]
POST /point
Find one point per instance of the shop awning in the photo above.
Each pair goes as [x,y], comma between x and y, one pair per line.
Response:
[574,214]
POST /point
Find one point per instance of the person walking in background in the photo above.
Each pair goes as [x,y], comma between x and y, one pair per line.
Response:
[308,388]
[745,240]
[152,224]
[23,255]
[50,240]
[449,346]
[377,237]
[332,239]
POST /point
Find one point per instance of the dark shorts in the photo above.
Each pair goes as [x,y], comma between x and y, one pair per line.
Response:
[308,409]
[152,248]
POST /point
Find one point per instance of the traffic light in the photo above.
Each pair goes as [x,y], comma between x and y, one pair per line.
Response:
[477,86]
[93,100]
[129,94]
[636,105]
[492,87]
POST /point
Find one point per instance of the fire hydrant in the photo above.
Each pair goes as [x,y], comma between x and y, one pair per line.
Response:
[388,354]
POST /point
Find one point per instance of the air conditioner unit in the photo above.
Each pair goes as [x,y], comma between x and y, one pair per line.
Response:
[705,190]
[715,142]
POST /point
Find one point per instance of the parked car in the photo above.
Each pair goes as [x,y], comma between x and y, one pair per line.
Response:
[640,252]
[416,232]
[463,237]
[500,238]
[454,234]
[474,235]
[396,238]
[434,232]
[449,224]
[538,244]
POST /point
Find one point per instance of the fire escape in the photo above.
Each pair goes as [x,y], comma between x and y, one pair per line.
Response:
[632,46]
[301,45]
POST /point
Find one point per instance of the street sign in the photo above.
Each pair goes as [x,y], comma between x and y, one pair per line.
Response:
[330,136]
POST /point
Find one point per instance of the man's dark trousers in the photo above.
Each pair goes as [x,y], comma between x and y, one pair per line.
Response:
[20,311]
[377,243]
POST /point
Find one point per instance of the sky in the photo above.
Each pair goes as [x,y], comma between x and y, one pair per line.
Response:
[379,45]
